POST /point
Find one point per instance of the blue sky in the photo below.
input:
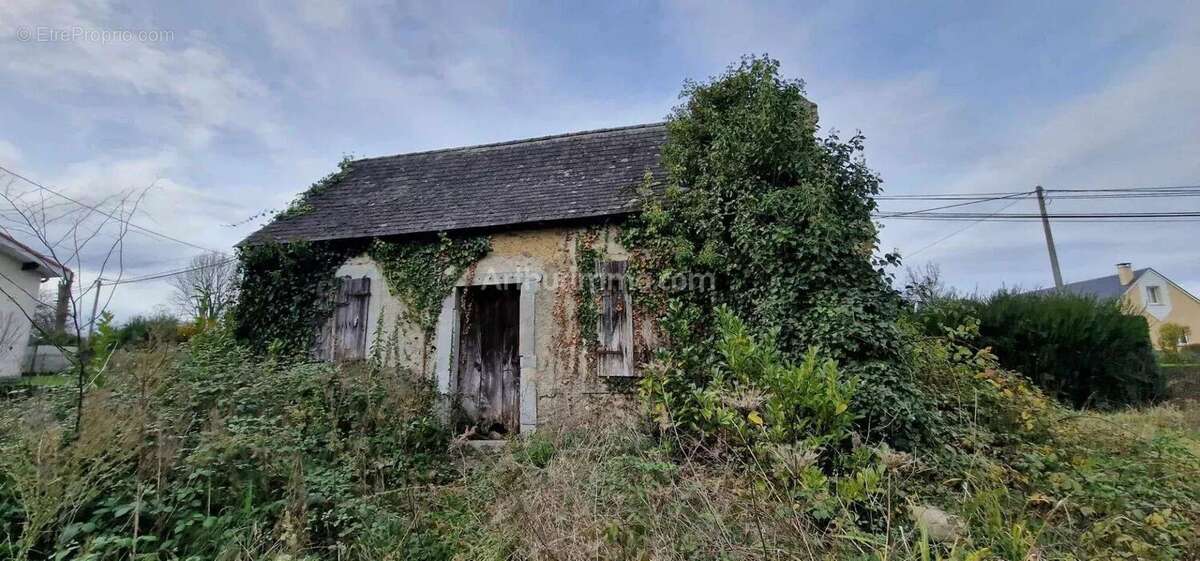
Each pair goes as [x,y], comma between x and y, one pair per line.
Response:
[245,104]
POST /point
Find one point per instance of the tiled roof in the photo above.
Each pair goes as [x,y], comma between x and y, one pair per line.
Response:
[554,178]
[1101,287]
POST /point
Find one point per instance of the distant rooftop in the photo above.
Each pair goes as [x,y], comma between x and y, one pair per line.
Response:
[1100,287]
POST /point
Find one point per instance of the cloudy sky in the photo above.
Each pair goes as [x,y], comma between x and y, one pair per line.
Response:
[228,109]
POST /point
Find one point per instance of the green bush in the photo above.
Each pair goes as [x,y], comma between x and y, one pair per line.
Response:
[1081,350]
[213,453]
[781,222]
[750,393]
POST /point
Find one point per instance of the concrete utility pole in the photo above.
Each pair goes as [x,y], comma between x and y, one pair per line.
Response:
[95,308]
[62,304]
[1041,195]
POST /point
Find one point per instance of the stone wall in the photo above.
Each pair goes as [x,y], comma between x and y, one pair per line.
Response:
[559,381]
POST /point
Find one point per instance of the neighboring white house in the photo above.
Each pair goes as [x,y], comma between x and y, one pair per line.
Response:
[22,271]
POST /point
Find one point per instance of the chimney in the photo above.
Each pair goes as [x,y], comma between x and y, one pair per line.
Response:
[1125,273]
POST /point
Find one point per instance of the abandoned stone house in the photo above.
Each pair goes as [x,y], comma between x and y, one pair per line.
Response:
[506,346]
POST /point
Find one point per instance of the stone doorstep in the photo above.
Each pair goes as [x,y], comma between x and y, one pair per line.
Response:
[485,446]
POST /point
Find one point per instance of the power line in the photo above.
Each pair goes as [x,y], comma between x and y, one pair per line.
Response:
[1035,216]
[961,230]
[166,274]
[929,210]
[1130,189]
[1126,192]
[106,213]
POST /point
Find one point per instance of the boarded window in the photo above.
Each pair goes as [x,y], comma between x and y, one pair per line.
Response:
[616,322]
[344,335]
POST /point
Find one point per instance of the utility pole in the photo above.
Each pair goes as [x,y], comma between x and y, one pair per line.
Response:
[95,307]
[1041,196]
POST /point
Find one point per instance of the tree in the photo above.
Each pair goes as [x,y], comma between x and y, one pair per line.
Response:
[924,285]
[207,288]
[782,220]
[1170,337]
[69,232]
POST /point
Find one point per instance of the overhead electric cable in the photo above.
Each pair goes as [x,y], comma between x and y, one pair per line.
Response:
[106,213]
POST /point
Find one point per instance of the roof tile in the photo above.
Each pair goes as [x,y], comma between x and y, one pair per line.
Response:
[563,177]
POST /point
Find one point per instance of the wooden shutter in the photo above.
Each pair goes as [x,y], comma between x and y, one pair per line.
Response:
[616,322]
[344,336]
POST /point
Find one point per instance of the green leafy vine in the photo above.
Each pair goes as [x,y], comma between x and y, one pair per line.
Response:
[285,292]
[422,274]
[587,310]
[302,204]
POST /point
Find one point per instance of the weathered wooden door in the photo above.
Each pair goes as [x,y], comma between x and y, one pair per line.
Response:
[489,362]
[344,336]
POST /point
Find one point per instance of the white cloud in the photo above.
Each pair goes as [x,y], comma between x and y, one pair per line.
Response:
[10,155]
[1136,128]
[180,77]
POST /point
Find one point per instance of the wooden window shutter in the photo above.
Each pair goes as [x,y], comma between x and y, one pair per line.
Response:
[615,347]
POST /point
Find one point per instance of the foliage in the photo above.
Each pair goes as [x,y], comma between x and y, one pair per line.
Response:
[138,331]
[781,219]
[1079,349]
[212,453]
[981,404]
[1183,382]
[1170,338]
[302,204]
[286,292]
[587,307]
[752,393]
[422,274]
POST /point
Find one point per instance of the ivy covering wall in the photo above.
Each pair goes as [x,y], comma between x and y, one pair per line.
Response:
[286,292]
[421,275]
[287,288]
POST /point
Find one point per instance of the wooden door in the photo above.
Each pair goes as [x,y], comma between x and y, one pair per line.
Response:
[344,336]
[489,362]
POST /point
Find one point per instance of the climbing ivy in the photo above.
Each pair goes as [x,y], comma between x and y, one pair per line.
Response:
[286,292]
[302,204]
[780,219]
[587,309]
[422,274]
[287,288]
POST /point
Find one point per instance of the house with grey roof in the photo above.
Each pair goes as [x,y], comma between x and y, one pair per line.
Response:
[1146,292]
[507,345]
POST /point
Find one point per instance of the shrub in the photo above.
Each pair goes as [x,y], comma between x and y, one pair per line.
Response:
[1190,352]
[749,393]
[1170,335]
[980,403]
[1079,349]
[211,453]
[781,221]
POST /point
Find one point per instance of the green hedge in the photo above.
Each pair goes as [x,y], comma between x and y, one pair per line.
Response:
[1082,350]
[1183,381]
